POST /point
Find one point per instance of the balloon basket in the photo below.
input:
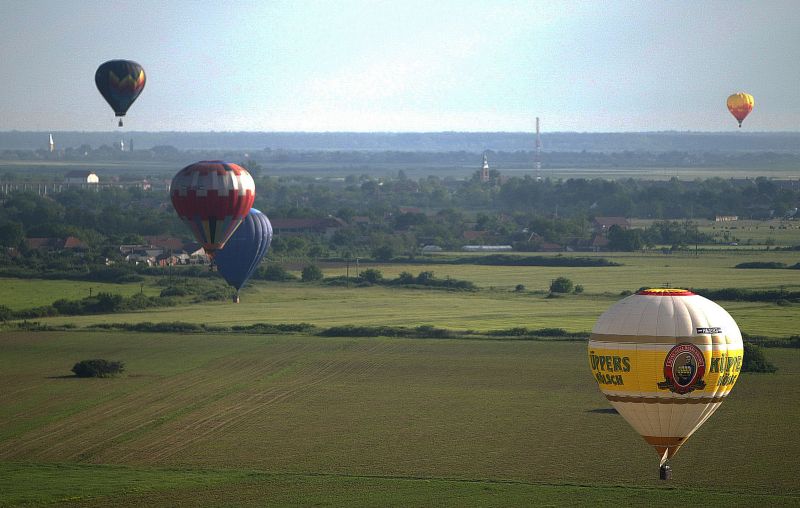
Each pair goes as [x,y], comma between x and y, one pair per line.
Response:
[665,472]
[235,298]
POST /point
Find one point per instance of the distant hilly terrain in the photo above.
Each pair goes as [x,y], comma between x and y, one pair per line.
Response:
[473,142]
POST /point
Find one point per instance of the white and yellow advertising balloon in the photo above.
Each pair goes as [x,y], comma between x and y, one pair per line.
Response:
[665,359]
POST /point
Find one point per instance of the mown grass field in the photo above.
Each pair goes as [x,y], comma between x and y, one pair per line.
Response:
[495,306]
[18,294]
[256,420]
[279,303]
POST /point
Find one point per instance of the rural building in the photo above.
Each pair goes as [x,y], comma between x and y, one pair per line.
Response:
[486,248]
[81,177]
[485,169]
[55,244]
[603,224]
[431,248]
[326,227]
[726,218]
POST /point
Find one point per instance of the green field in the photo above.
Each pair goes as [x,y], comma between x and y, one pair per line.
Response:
[495,306]
[18,294]
[253,420]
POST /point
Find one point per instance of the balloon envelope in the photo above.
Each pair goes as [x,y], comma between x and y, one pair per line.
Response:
[212,198]
[120,82]
[665,359]
[740,105]
[246,248]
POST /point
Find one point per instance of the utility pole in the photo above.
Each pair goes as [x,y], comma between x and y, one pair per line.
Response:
[538,160]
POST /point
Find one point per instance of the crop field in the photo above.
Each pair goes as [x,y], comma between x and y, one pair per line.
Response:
[280,303]
[254,420]
[18,294]
[711,270]
[248,420]
[494,306]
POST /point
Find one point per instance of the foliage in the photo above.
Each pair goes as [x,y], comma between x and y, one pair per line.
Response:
[311,273]
[515,260]
[424,331]
[371,275]
[383,253]
[626,240]
[561,285]
[98,368]
[755,361]
[273,272]
[761,264]
[11,234]
[749,295]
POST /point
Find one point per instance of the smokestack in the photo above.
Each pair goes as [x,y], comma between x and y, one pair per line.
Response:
[538,147]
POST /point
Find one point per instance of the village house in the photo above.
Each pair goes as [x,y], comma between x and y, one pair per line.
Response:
[55,244]
[603,224]
[327,226]
[81,177]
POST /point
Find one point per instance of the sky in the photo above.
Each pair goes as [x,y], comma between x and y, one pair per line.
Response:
[404,65]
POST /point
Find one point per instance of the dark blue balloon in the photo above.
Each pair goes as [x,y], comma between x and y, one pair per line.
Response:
[244,250]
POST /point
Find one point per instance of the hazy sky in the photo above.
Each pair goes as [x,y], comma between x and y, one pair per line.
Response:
[402,65]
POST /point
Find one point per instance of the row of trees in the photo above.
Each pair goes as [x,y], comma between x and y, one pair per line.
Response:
[402,215]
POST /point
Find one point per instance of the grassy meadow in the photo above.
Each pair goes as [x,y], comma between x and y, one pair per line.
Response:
[254,420]
[494,306]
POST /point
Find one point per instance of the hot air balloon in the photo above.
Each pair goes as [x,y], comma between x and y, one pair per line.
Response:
[212,198]
[246,248]
[665,359]
[740,105]
[120,82]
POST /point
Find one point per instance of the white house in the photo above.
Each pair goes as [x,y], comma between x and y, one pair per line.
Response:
[81,177]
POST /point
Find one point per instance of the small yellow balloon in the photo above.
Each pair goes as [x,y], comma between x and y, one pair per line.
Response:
[740,105]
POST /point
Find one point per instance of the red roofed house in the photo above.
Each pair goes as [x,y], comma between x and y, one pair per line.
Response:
[327,226]
[603,224]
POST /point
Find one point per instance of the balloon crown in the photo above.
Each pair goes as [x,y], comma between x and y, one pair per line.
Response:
[665,292]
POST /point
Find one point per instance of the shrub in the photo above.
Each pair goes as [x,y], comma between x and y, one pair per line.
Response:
[519,287]
[424,277]
[561,285]
[311,273]
[755,361]
[6,313]
[371,275]
[276,273]
[762,264]
[174,291]
[97,368]
[383,253]
[578,289]
[405,278]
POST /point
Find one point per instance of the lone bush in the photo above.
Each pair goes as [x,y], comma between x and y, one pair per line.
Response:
[97,368]
[371,275]
[311,273]
[275,273]
[561,285]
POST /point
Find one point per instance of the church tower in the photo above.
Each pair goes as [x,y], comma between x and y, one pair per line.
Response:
[485,169]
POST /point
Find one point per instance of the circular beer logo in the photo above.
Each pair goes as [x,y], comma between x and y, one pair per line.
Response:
[684,368]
